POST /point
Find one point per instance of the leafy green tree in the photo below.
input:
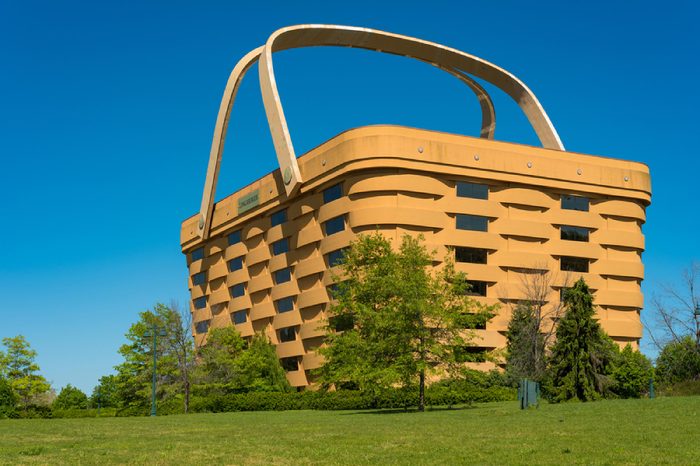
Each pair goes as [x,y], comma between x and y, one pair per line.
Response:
[582,355]
[631,373]
[258,368]
[18,366]
[406,320]
[525,345]
[105,393]
[8,399]
[70,397]
[679,361]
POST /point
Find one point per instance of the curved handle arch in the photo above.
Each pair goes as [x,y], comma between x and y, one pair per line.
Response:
[380,41]
[488,127]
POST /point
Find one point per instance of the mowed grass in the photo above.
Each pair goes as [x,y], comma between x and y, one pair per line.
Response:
[660,431]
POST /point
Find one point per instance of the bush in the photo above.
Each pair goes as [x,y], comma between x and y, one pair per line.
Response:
[70,398]
[687,388]
[679,361]
[81,413]
[631,374]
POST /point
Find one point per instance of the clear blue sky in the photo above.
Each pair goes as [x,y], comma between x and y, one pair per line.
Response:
[108,109]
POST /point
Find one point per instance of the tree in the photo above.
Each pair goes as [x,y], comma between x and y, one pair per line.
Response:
[8,399]
[581,357]
[679,361]
[18,366]
[631,373]
[71,398]
[406,318]
[525,345]
[179,343]
[258,368]
[217,359]
[105,393]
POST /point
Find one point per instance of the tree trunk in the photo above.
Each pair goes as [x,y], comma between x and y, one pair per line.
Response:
[187,395]
[421,392]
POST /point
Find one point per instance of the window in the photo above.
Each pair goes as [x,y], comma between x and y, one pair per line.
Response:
[341,322]
[573,264]
[336,257]
[470,354]
[574,203]
[234,238]
[283,275]
[280,247]
[472,255]
[290,364]
[200,303]
[197,254]
[199,278]
[332,290]
[235,264]
[237,290]
[477,288]
[472,222]
[278,218]
[333,193]
[473,190]
[285,304]
[240,317]
[334,225]
[473,321]
[288,334]
[574,233]
[202,326]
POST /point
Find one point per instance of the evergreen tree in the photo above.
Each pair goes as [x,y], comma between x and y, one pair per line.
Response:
[525,345]
[70,398]
[581,357]
[105,393]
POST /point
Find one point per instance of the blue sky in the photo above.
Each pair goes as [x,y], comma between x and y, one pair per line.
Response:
[108,109]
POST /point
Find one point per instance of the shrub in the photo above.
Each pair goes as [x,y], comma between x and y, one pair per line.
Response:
[70,398]
[679,361]
[631,373]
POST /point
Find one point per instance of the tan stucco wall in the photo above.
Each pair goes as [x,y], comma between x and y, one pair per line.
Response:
[401,180]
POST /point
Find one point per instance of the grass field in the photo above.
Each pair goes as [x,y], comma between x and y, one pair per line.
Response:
[660,431]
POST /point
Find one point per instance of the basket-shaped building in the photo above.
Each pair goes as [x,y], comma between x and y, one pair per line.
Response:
[262,258]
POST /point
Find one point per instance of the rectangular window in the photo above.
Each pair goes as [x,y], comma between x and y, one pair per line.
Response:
[197,254]
[573,264]
[284,304]
[477,288]
[472,190]
[240,317]
[290,364]
[470,354]
[237,290]
[471,255]
[336,257]
[278,218]
[472,222]
[574,233]
[280,247]
[234,238]
[235,264]
[200,303]
[334,225]
[283,275]
[333,193]
[288,334]
[574,203]
[199,278]
[202,326]
[341,322]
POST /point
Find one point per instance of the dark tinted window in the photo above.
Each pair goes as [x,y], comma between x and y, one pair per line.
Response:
[573,264]
[288,334]
[240,317]
[332,193]
[278,218]
[237,290]
[472,222]
[200,303]
[235,264]
[341,322]
[290,364]
[334,225]
[234,238]
[280,247]
[574,203]
[285,304]
[473,190]
[574,233]
[201,326]
[199,278]
[336,257]
[197,254]
[283,275]
[470,354]
[477,288]
[473,255]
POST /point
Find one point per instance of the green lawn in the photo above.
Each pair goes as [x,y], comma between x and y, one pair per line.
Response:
[660,431]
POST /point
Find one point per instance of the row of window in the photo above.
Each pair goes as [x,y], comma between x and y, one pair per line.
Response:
[481,191]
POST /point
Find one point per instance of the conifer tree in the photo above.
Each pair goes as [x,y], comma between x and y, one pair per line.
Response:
[582,355]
